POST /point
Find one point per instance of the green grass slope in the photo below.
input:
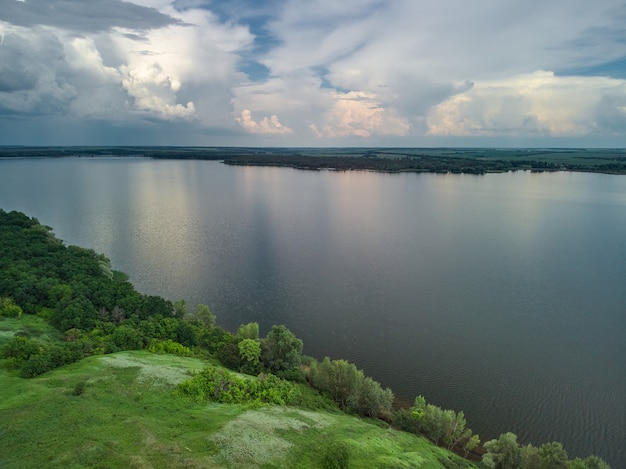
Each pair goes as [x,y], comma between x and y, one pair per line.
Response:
[118,411]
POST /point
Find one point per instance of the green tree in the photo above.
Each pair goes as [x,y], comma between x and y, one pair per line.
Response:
[127,338]
[186,334]
[503,453]
[373,400]
[472,442]
[214,339]
[205,316]
[553,456]
[455,430]
[228,353]
[282,350]
[250,353]
[248,331]
[250,350]
[180,309]
[337,379]
[591,462]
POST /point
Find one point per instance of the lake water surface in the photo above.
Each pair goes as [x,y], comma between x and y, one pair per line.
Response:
[501,295]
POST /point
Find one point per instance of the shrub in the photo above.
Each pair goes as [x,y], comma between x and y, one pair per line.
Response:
[20,349]
[217,384]
[127,338]
[336,456]
[228,354]
[9,309]
[169,346]
[79,388]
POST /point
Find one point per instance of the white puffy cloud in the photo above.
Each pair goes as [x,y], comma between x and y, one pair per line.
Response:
[154,90]
[266,125]
[538,103]
[359,114]
[411,56]
[183,67]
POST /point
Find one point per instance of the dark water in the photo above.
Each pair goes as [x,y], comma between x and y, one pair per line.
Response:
[501,295]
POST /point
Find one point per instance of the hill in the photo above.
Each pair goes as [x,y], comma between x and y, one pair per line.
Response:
[118,411]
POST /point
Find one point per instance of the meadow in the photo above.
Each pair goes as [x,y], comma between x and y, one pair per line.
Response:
[118,411]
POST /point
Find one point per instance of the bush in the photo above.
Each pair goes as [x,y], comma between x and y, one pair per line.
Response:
[311,399]
[228,354]
[20,349]
[52,357]
[127,338]
[79,388]
[336,456]
[219,385]
[295,374]
[9,309]
[169,346]
[404,420]
[214,339]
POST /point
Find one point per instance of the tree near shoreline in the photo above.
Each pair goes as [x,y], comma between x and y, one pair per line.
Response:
[282,350]
[505,453]
[342,382]
[250,353]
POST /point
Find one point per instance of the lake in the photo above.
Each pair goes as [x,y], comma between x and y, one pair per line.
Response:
[501,295]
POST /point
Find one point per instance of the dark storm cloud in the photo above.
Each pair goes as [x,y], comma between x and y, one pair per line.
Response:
[16,69]
[33,75]
[83,15]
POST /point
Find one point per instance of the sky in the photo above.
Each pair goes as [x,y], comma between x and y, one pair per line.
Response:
[321,73]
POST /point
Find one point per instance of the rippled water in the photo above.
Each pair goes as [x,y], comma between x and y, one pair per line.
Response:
[501,295]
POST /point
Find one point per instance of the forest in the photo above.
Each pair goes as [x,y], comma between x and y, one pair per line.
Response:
[96,310]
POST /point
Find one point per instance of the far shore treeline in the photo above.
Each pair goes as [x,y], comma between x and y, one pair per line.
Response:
[96,310]
[392,160]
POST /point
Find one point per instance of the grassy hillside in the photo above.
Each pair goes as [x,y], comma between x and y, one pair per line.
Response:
[118,410]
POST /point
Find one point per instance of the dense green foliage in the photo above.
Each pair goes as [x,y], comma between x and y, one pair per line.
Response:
[217,384]
[350,388]
[9,309]
[169,346]
[75,288]
[443,427]
[506,453]
[282,350]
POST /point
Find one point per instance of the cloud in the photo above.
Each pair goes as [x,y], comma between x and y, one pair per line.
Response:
[265,126]
[170,65]
[33,73]
[359,114]
[538,103]
[395,71]
[79,15]
[155,91]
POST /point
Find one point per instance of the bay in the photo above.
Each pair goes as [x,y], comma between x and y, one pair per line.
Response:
[501,295]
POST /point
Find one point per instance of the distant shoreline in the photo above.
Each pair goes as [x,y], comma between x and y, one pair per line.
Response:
[388,160]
